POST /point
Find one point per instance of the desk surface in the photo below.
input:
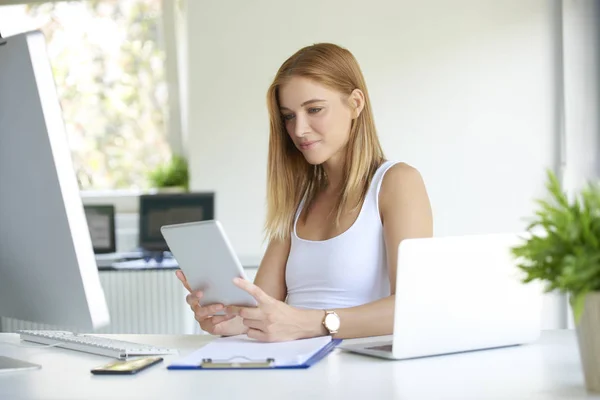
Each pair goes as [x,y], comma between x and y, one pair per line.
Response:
[547,369]
[114,262]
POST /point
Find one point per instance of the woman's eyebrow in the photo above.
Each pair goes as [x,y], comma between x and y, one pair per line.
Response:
[304,104]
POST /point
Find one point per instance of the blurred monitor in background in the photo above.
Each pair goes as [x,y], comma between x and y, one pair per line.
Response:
[101,223]
[161,209]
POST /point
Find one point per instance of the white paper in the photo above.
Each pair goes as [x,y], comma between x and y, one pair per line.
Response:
[244,349]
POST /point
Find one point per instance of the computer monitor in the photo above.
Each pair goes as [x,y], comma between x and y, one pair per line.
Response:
[101,221]
[161,209]
[48,273]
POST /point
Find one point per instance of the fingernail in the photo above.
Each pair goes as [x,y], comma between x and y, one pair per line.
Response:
[198,294]
[218,307]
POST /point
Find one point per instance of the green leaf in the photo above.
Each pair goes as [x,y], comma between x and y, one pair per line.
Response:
[564,252]
[173,173]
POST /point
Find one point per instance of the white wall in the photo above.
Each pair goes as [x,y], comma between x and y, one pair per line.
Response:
[581,48]
[581,42]
[464,91]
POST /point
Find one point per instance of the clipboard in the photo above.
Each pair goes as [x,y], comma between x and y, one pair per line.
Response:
[234,363]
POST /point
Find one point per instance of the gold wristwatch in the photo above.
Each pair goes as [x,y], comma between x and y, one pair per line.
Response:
[331,322]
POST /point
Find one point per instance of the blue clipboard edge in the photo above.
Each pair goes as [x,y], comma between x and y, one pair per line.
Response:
[308,363]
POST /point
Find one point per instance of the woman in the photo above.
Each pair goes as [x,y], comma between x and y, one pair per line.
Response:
[337,211]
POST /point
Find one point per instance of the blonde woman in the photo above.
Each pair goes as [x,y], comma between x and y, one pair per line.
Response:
[337,211]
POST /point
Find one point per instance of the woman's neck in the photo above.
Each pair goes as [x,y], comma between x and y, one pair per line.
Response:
[334,170]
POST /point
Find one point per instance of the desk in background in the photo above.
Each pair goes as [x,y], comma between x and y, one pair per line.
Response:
[548,369]
[141,301]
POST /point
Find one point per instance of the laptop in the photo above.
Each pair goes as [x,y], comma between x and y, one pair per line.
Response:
[457,294]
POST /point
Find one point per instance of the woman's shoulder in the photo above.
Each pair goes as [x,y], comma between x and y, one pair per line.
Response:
[395,171]
[399,168]
[400,180]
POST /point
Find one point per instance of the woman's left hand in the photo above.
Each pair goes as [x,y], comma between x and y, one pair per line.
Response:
[273,320]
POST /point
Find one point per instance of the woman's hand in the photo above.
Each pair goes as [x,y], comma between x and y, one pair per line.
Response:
[273,320]
[226,325]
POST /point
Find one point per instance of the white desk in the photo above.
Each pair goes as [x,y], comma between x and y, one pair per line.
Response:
[549,369]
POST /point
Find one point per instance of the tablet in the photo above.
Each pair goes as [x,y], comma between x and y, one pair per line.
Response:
[207,259]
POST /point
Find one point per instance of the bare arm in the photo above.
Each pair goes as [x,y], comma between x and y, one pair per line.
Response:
[406,213]
[271,273]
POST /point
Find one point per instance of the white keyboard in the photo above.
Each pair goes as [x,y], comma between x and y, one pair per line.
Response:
[93,344]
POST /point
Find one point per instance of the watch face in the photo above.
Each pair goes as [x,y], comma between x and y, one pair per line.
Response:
[332,322]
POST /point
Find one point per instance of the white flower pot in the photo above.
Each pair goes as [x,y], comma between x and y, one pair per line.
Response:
[171,189]
[588,337]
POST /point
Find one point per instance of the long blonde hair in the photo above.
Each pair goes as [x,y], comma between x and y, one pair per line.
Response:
[290,178]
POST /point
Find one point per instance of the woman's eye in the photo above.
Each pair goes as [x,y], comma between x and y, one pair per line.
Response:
[314,110]
[288,117]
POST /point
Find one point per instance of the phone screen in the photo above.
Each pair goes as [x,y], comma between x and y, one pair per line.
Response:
[127,367]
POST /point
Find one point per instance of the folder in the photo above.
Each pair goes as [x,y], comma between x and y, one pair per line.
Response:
[242,352]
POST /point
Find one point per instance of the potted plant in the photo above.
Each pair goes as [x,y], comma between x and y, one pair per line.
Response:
[562,250]
[172,176]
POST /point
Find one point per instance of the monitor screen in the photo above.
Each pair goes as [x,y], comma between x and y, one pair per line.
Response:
[101,223]
[161,209]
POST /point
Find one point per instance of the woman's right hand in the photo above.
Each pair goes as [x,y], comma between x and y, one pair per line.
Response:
[225,325]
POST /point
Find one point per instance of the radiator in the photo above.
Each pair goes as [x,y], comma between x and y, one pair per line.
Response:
[139,302]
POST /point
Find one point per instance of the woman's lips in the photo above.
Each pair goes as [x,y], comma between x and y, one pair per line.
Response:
[308,145]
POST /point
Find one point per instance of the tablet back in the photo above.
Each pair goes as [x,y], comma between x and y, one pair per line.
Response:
[206,256]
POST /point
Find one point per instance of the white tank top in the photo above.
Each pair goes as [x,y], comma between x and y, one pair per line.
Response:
[347,270]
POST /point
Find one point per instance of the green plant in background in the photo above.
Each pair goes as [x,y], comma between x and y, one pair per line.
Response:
[172,174]
[565,251]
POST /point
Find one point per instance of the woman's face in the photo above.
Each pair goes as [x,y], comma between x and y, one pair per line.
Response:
[318,119]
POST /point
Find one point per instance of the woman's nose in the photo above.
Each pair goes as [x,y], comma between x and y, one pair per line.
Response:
[301,126]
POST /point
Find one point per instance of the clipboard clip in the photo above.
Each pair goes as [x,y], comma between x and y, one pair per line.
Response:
[209,363]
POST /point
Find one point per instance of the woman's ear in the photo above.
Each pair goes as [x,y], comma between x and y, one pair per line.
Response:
[357,102]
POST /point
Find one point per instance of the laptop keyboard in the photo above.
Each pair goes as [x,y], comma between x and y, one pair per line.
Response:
[385,347]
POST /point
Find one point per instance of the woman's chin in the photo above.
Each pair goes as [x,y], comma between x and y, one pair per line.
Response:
[313,159]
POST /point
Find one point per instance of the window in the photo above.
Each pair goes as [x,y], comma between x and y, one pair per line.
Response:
[109,66]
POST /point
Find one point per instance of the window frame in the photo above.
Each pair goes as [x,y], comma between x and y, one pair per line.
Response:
[126,200]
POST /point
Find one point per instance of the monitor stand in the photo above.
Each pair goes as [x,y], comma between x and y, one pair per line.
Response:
[8,364]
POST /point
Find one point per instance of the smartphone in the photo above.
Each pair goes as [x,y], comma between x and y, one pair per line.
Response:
[127,367]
